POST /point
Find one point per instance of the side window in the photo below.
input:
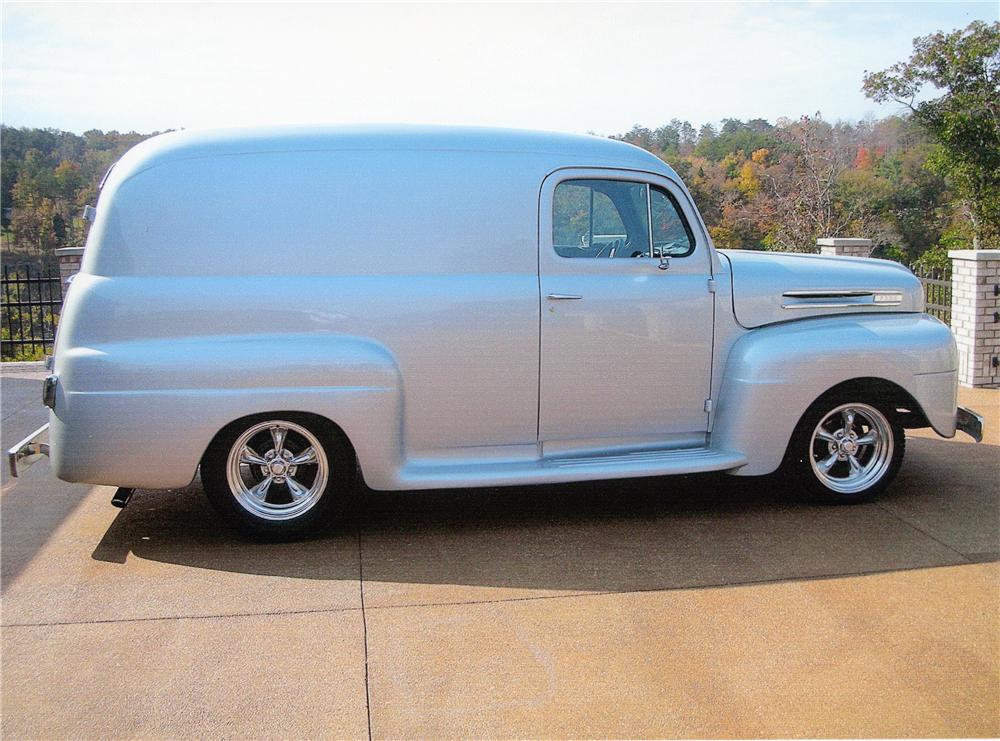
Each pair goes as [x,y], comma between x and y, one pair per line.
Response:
[600,218]
[672,236]
[608,224]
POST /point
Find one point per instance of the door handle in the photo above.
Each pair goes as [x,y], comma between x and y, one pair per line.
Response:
[563,297]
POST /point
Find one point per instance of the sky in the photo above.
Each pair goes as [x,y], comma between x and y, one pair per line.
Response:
[565,67]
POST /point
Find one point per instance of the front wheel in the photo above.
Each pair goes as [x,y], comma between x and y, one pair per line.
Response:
[277,475]
[847,449]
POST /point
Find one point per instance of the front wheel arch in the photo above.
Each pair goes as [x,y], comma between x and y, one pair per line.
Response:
[906,409]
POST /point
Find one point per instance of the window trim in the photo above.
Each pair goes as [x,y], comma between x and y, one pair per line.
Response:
[648,186]
[692,242]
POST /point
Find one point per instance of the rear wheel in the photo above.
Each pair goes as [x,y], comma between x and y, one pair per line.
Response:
[847,448]
[277,475]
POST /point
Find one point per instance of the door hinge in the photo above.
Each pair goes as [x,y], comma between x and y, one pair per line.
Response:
[708,406]
[712,285]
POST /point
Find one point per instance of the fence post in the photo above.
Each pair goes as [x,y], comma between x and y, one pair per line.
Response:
[975,315]
[70,259]
[848,246]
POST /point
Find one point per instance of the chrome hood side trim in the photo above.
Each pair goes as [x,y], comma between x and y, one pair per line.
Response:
[771,287]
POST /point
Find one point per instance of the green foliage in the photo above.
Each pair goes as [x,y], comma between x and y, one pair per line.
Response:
[936,258]
[46,179]
[956,237]
[891,252]
[24,354]
[737,137]
[964,121]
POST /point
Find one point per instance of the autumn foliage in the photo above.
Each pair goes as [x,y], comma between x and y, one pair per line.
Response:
[781,186]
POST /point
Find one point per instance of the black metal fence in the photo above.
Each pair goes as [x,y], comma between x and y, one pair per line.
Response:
[937,291]
[29,310]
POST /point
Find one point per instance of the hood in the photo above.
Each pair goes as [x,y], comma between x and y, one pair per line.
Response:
[773,287]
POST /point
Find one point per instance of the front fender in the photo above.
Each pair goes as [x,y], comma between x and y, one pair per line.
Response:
[162,400]
[773,375]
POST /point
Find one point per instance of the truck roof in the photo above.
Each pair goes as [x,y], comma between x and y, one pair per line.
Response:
[575,149]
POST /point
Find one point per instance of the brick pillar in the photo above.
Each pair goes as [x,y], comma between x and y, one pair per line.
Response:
[69,264]
[844,246]
[975,285]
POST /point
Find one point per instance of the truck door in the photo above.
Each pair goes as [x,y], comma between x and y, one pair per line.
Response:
[627,316]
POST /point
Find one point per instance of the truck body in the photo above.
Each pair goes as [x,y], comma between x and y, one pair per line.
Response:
[458,307]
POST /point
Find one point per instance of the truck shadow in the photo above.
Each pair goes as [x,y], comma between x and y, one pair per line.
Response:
[641,534]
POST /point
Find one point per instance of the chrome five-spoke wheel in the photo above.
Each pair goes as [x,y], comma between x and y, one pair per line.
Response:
[277,470]
[279,475]
[851,448]
[848,446]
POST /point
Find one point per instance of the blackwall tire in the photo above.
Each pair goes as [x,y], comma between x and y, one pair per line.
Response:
[846,449]
[278,476]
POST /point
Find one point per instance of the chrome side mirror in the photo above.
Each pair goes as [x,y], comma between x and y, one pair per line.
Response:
[664,262]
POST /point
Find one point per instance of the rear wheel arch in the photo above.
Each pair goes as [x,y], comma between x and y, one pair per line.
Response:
[324,423]
[318,471]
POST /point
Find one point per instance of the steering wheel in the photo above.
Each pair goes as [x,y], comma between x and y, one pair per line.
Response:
[619,244]
[604,247]
[626,244]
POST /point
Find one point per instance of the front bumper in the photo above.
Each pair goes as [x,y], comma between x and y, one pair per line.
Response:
[970,423]
[23,455]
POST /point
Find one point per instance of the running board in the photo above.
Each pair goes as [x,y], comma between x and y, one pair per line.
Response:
[697,457]
[566,469]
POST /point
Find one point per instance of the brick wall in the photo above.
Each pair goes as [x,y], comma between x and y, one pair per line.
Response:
[849,247]
[70,259]
[975,322]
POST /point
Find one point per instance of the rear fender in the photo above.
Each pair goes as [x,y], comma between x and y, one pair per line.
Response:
[162,401]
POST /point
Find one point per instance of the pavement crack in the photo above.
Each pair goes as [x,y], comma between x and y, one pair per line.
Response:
[154,618]
[920,530]
[364,630]
[982,558]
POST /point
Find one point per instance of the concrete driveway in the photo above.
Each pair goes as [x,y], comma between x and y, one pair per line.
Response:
[704,606]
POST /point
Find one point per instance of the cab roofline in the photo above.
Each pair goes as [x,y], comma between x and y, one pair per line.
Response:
[580,149]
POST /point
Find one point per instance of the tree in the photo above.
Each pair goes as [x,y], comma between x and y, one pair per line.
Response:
[689,137]
[67,177]
[803,186]
[47,176]
[640,136]
[964,121]
[667,138]
[32,219]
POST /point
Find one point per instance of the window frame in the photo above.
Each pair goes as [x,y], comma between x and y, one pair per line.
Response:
[648,188]
[692,242]
[582,182]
